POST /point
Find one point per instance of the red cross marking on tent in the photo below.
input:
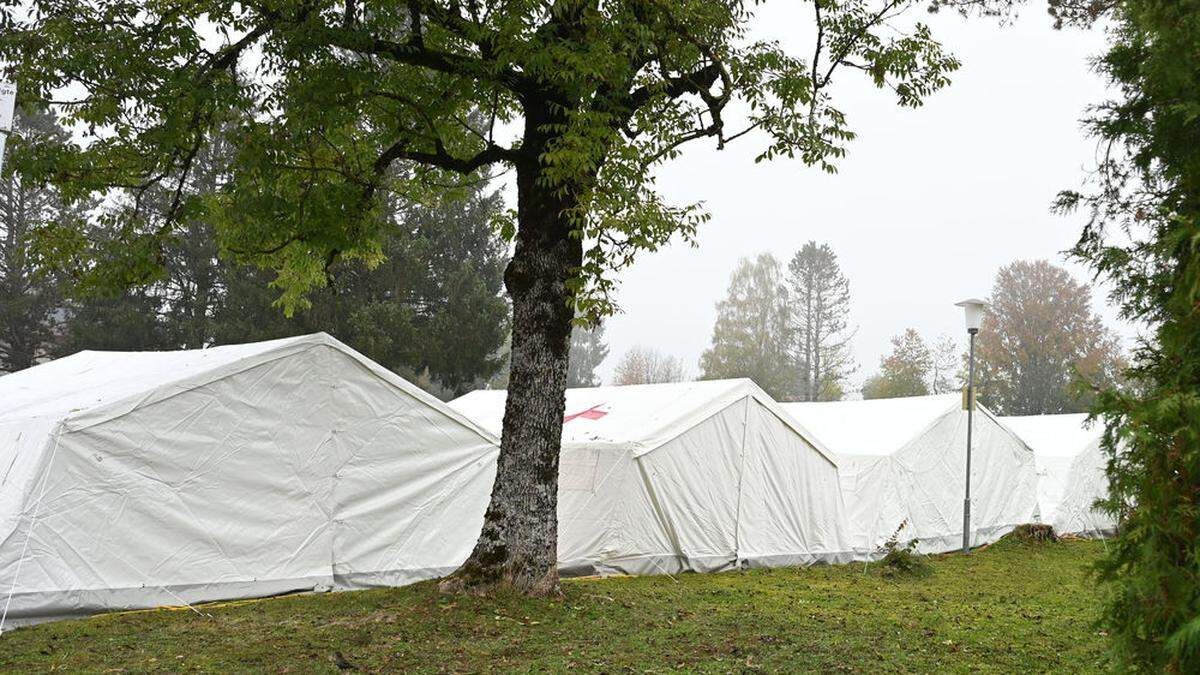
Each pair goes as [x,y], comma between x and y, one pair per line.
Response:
[592,413]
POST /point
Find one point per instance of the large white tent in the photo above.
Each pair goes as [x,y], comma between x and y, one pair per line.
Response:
[903,460]
[1071,470]
[162,478]
[698,476]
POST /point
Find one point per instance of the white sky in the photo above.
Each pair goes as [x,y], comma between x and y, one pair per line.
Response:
[927,205]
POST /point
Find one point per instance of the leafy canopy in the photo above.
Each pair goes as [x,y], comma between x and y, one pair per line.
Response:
[1040,338]
[751,335]
[905,371]
[1144,235]
[335,103]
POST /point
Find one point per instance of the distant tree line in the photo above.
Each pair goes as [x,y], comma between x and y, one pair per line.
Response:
[1042,348]
[915,367]
[430,308]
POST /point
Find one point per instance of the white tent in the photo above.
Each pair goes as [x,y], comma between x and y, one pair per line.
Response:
[695,476]
[1071,470]
[162,478]
[902,460]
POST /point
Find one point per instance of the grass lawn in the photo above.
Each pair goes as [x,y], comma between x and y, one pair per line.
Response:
[1013,607]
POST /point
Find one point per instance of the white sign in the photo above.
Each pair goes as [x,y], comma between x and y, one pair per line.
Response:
[8,97]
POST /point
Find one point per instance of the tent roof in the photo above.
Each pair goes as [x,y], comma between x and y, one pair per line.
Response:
[99,385]
[641,416]
[1054,435]
[875,427]
[89,379]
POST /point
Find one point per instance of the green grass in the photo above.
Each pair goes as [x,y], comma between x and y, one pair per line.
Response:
[1011,607]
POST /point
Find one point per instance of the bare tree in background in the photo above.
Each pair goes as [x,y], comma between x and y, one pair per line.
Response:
[945,365]
[641,365]
[818,311]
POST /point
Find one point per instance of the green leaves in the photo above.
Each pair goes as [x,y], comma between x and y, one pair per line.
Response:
[332,108]
[1144,210]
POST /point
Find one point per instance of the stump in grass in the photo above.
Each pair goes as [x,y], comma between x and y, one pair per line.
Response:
[1034,532]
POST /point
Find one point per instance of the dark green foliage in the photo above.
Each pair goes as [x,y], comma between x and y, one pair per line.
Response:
[323,101]
[588,351]
[131,321]
[432,310]
[901,560]
[29,300]
[1144,236]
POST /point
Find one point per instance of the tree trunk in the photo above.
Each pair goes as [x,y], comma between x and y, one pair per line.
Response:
[519,542]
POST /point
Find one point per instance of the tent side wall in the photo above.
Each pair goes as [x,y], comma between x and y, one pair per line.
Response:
[609,521]
[213,493]
[928,475]
[1087,482]
[1004,485]
[25,447]
[791,508]
[411,484]
[875,505]
[741,487]
[1053,475]
[239,488]
[691,483]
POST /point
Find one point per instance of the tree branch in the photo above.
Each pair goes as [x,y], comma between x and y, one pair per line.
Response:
[442,159]
[694,82]
[414,52]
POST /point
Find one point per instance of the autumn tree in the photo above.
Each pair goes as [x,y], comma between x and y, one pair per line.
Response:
[751,335]
[904,371]
[588,351]
[946,369]
[1038,337]
[642,365]
[818,323]
[337,104]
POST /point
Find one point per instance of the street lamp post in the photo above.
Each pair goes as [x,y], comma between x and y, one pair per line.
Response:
[973,309]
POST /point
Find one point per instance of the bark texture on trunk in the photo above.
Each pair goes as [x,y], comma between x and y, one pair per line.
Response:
[519,542]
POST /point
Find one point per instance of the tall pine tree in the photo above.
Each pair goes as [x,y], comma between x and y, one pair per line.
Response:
[588,351]
[30,302]
[819,308]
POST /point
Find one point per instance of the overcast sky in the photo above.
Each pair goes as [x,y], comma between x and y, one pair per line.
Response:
[927,205]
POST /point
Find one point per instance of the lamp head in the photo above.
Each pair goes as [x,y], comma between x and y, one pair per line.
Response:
[973,308]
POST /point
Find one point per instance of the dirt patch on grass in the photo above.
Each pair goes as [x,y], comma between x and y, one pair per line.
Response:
[1034,533]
